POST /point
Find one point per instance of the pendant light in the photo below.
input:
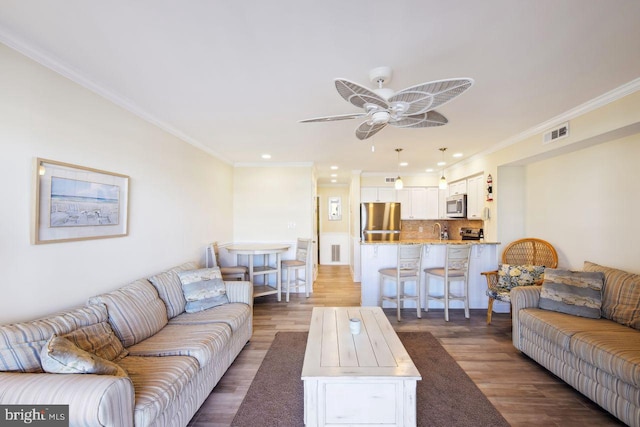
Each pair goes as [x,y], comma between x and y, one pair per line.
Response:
[443,181]
[399,184]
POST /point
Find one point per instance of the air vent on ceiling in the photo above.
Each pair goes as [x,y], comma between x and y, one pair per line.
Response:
[389,180]
[560,132]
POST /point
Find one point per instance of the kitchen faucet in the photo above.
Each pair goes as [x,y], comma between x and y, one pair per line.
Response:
[439,229]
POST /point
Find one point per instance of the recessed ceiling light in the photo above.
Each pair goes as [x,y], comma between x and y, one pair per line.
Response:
[334,180]
[428,170]
[404,164]
[334,167]
[458,155]
[333,175]
[266,156]
[442,163]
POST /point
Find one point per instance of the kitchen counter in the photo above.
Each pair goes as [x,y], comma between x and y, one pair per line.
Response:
[377,255]
[433,242]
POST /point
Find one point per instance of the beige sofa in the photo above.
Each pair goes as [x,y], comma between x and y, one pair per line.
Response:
[172,359]
[600,357]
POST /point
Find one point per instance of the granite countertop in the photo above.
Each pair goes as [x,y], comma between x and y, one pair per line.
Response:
[434,242]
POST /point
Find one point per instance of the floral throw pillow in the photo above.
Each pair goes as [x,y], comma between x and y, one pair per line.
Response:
[510,276]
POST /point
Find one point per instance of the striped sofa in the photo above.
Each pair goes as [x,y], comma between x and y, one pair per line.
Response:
[598,357]
[172,359]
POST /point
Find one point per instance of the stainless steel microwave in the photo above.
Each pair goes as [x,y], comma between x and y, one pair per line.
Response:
[457,206]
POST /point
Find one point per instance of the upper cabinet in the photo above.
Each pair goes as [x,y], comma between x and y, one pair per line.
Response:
[418,202]
[442,203]
[458,187]
[433,203]
[475,197]
[377,194]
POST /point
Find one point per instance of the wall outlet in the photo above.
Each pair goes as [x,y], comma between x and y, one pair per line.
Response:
[420,229]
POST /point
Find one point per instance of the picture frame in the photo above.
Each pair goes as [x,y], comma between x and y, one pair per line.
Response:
[75,203]
[335,209]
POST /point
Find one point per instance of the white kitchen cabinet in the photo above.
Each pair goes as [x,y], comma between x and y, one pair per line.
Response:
[413,202]
[475,197]
[377,194]
[442,203]
[458,187]
[433,203]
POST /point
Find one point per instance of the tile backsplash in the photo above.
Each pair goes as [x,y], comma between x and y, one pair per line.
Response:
[411,229]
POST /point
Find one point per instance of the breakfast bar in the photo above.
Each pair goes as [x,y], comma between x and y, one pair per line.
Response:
[377,255]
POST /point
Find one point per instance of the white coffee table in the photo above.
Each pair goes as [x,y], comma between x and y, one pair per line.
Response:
[362,379]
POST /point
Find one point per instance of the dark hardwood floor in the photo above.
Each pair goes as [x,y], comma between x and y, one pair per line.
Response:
[525,393]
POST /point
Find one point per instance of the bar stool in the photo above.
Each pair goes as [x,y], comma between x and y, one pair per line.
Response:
[456,268]
[302,262]
[236,272]
[407,270]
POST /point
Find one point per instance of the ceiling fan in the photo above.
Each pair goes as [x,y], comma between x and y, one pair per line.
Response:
[412,107]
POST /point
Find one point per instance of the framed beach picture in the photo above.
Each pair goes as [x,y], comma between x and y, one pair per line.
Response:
[79,203]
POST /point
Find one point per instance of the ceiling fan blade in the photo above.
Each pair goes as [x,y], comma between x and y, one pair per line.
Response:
[359,95]
[428,119]
[365,130]
[427,96]
[333,118]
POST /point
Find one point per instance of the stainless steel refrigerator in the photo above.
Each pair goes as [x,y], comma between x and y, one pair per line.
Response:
[380,222]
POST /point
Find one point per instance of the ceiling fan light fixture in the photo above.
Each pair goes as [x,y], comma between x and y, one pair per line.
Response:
[412,107]
[380,117]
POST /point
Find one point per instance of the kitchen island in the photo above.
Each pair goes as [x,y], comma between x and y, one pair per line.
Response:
[377,255]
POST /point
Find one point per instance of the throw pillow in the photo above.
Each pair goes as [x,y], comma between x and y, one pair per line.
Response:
[203,289]
[620,295]
[100,340]
[169,288]
[510,276]
[572,292]
[61,356]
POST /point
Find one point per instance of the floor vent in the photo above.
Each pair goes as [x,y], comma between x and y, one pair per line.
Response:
[335,253]
[560,132]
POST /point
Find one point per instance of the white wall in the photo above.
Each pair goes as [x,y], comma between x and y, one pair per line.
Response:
[273,204]
[511,209]
[180,197]
[586,203]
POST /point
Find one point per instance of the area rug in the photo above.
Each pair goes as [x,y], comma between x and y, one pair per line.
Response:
[446,396]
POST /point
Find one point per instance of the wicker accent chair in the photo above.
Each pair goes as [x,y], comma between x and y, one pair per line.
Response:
[529,251]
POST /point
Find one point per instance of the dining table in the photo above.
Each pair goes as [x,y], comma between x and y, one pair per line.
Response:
[266,250]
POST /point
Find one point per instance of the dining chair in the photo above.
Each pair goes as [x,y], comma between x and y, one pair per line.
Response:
[456,268]
[302,261]
[236,272]
[523,263]
[407,269]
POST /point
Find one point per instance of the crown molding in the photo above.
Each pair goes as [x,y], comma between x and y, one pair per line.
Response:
[598,102]
[76,76]
[268,164]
